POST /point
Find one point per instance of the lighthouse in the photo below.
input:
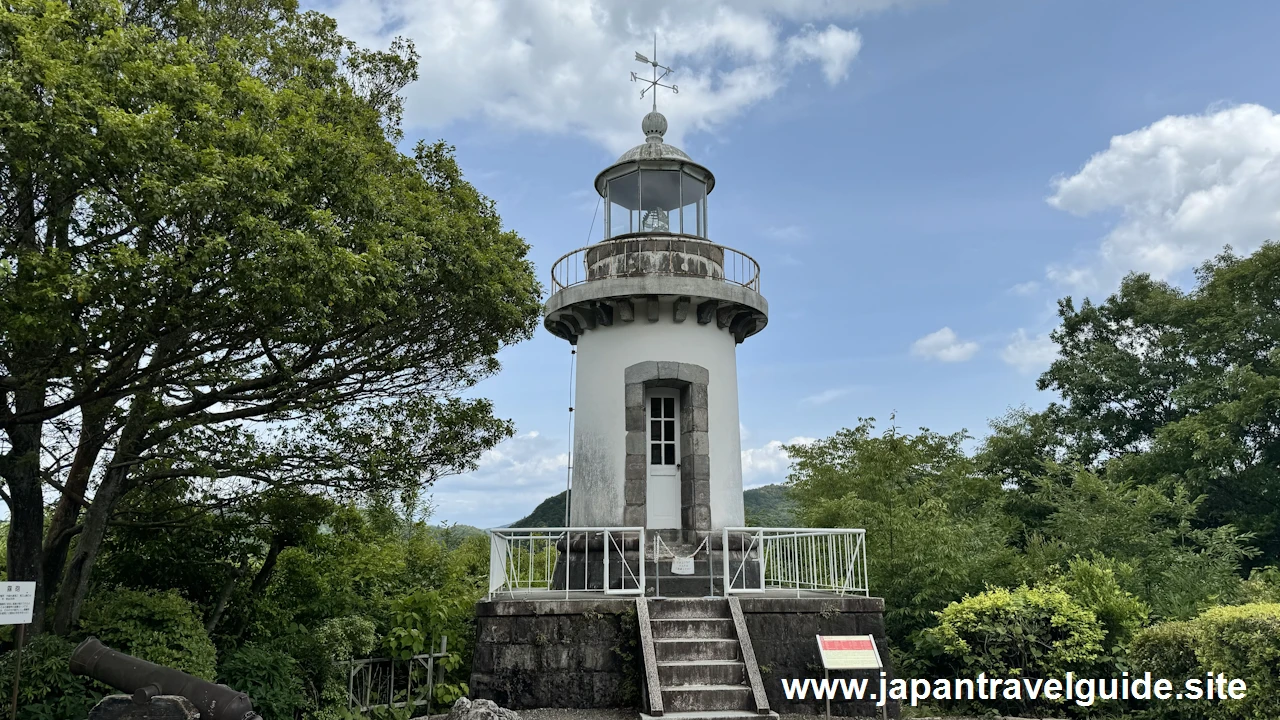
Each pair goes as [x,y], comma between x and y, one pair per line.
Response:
[656,310]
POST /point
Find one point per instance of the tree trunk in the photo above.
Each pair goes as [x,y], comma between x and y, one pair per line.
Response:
[57,539]
[115,482]
[224,597]
[26,501]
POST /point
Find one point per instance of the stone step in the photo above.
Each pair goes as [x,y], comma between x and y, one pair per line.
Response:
[701,672]
[668,649]
[693,628]
[707,697]
[689,608]
[684,586]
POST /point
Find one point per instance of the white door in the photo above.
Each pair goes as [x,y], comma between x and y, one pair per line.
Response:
[662,496]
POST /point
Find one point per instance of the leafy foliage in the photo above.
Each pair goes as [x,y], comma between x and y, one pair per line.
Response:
[158,627]
[1035,632]
[49,690]
[268,675]
[1236,641]
[908,491]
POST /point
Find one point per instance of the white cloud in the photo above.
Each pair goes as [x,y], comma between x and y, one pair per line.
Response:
[1029,354]
[1027,288]
[768,464]
[834,48]
[787,234]
[512,478]
[827,396]
[1183,187]
[945,346]
[563,66]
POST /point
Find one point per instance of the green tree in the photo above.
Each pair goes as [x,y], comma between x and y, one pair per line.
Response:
[217,269]
[1181,389]
[934,528]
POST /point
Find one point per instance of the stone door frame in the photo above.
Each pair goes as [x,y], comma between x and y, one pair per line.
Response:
[695,460]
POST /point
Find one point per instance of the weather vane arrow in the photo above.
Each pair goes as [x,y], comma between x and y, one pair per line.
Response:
[656,82]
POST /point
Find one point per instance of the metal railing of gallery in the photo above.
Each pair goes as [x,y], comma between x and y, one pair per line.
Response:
[825,560]
[657,254]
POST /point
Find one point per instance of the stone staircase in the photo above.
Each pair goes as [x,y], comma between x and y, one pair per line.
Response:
[698,663]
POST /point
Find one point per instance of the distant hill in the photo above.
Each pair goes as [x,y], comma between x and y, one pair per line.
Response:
[454,535]
[766,506]
[549,513]
[769,506]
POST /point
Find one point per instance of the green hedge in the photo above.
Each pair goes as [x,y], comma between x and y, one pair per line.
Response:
[158,627]
[1033,632]
[1240,641]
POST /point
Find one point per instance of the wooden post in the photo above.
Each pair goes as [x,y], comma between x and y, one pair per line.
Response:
[17,671]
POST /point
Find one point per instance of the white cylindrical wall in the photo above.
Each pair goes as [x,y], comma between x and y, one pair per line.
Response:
[599,443]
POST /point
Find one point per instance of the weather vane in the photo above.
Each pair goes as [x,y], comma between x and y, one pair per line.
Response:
[655,83]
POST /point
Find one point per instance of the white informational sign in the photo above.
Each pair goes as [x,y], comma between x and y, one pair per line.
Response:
[17,598]
[849,652]
[682,566]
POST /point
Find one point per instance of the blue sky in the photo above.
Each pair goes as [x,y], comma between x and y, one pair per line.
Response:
[920,182]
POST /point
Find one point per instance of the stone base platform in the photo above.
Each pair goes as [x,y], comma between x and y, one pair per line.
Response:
[586,653]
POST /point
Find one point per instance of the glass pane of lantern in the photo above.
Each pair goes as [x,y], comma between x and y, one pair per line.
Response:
[655,408]
[669,433]
[624,204]
[660,200]
[670,453]
[692,193]
[669,407]
[655,454]
[655,429]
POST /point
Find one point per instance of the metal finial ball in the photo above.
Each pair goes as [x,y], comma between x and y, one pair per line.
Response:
[654,126]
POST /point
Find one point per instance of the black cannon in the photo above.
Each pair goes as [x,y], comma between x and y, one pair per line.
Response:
[147,680]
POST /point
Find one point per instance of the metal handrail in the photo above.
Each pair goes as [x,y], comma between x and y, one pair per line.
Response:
[799,559]
[571,268]
[525,559]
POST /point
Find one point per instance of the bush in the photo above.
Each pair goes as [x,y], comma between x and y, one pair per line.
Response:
[268,676]
[1239,642]
[1168,650]
[159,627]
[1033,632]
[48,691]
[1244,642]
[1093,585]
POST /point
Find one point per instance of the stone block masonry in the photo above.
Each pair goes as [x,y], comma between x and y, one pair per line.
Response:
[784,635]
[587,653]
[557,654]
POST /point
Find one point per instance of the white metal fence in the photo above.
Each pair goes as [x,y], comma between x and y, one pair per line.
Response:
[567,560]
[612,560]
[828,560]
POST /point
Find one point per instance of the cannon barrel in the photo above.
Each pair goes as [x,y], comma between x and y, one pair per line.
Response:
[145,680]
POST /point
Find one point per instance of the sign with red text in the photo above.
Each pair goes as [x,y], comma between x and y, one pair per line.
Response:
[849,652]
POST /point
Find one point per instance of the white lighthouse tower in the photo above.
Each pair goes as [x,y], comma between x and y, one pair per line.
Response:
[656,310]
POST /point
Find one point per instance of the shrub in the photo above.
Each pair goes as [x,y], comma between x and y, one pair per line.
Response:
[1237,641]
[268,676]
[48,691]
[1093,585]
[1034,632]
[159,627]
[1168,650]
[1244,642]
